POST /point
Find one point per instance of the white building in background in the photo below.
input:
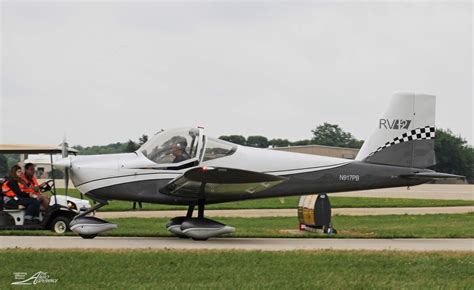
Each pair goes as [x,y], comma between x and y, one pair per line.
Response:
[331,151]
[42,162]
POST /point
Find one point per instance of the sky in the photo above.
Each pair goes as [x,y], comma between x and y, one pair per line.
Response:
[103,72]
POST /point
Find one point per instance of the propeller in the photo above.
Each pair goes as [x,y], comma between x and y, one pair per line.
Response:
[65,163]
[65,153]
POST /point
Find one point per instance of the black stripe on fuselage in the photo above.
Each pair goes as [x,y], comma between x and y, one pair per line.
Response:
[370,176]
[305,168]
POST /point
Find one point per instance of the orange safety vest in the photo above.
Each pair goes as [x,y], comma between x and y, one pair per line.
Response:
[30,184]
[6,190]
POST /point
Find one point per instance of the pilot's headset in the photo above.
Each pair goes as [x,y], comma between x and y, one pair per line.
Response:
[181,143]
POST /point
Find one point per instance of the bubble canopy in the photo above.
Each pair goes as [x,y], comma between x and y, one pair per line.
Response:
[172,146]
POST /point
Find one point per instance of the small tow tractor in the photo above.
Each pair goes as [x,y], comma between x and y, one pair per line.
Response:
[62,208]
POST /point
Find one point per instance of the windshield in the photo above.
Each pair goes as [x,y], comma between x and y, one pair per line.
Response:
[172,146]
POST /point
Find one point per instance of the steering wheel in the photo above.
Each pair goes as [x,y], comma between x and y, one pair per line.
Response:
[47,186]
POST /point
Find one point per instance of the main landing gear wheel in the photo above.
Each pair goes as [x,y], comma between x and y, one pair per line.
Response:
[88,226]
[174,226]
[200,228]
[88,236]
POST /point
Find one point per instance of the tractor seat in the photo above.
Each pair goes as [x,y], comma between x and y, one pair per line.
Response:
[13,208]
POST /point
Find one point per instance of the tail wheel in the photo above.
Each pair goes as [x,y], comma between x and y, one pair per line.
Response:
[60,225]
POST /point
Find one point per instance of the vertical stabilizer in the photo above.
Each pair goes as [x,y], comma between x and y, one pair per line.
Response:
[404,134]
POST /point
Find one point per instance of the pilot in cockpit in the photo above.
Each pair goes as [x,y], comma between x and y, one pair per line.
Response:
[178,149]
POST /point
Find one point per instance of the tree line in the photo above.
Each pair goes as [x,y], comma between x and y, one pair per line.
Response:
[129,146]
[326,134]
[453,154]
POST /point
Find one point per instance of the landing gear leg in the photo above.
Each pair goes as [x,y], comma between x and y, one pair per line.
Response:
[201,205]
[94,208]
[189,213]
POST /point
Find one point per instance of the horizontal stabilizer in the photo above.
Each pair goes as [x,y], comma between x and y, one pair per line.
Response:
[220,182]
[433,175]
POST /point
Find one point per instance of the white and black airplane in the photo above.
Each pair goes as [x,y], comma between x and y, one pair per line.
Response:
[186,167]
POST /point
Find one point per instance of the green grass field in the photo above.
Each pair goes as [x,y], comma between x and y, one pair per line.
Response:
[391,226]
[292,202]
[166,269]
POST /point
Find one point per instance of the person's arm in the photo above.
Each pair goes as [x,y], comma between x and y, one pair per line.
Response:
[16,189]
[36,186]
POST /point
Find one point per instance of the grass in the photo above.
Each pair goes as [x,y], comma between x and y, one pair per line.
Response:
[169,269]
[390,226]
[292,202]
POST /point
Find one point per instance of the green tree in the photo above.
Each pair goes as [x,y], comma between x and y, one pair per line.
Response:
[102,149]
[332,135]
[453,154]
[129,146]
[279,142]
[142,140]
[304,142]
[236,139]
[257,141]
[78,148]
[132,146]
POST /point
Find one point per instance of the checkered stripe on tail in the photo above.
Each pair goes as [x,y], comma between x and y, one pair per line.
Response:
[425,133]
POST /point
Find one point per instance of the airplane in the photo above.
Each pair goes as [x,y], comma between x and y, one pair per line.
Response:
[184,166]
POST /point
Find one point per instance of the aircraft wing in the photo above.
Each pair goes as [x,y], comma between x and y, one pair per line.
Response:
[220,182]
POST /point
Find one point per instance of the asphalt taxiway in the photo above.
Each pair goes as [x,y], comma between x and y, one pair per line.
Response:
[261,244]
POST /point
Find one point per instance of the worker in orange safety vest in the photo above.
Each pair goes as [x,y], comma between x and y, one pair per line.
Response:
[13,195]
[32,186]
